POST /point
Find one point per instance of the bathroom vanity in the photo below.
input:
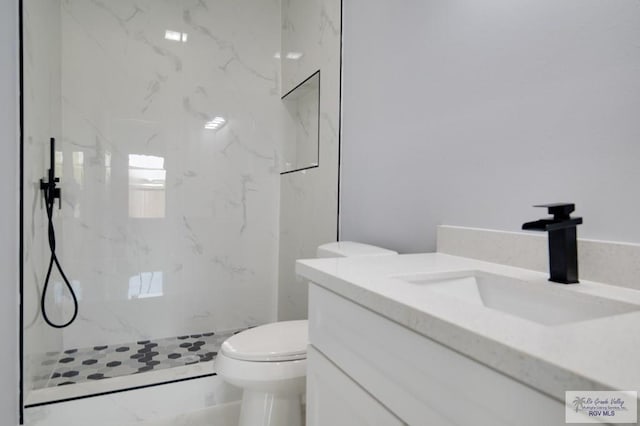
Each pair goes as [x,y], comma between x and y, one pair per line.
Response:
[435,339]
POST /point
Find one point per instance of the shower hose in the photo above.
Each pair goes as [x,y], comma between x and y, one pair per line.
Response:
[49,200]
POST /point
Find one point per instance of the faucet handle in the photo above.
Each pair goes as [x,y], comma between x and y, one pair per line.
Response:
[559,210]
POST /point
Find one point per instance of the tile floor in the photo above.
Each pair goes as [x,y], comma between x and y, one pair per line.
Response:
[102,362]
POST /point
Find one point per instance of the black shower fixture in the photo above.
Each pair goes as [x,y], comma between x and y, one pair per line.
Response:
[50,193]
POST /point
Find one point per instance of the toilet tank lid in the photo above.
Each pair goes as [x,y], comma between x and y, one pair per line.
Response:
[351,249]
[278,341]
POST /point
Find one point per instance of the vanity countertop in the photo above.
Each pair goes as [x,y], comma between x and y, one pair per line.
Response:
[597,354]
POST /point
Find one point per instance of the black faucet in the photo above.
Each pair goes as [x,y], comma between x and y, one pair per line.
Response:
[563,241]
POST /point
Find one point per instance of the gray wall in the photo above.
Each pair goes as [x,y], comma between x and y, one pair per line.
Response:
[9,212]
[466,113]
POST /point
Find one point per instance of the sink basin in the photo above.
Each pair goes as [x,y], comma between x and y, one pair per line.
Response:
[541,302]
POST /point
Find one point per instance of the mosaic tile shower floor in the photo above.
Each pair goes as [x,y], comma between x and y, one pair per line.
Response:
[73,366]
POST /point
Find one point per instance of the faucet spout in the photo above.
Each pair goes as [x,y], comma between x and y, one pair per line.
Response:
[547,225]
[563,241]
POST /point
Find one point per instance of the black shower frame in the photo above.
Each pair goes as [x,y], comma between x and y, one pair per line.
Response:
[22,407]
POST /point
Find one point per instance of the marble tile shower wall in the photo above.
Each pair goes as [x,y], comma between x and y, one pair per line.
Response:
[311,34]
[42,120]
[169,164]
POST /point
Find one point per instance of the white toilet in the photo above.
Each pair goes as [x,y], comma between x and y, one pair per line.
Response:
[269,362]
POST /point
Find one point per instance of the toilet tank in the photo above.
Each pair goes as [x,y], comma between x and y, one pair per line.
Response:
[351,249]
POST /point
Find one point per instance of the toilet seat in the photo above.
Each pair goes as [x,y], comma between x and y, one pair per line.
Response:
[256,374]
[276,342]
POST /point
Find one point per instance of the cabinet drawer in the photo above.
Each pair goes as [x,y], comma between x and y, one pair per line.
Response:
[419,380]
[333,399]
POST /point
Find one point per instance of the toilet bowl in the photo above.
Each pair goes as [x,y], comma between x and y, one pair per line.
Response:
[269,362]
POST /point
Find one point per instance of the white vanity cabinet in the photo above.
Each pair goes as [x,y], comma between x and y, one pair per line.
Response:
[364,369]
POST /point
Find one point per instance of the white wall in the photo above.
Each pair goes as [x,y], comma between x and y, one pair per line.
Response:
[467,113]
[9,213]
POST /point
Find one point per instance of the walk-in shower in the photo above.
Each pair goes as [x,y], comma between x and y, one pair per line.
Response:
[196,147]
[166,121]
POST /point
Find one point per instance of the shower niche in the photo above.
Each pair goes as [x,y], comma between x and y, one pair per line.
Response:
[301,137]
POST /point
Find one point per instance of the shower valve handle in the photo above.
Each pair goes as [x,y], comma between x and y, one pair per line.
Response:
[51,190]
